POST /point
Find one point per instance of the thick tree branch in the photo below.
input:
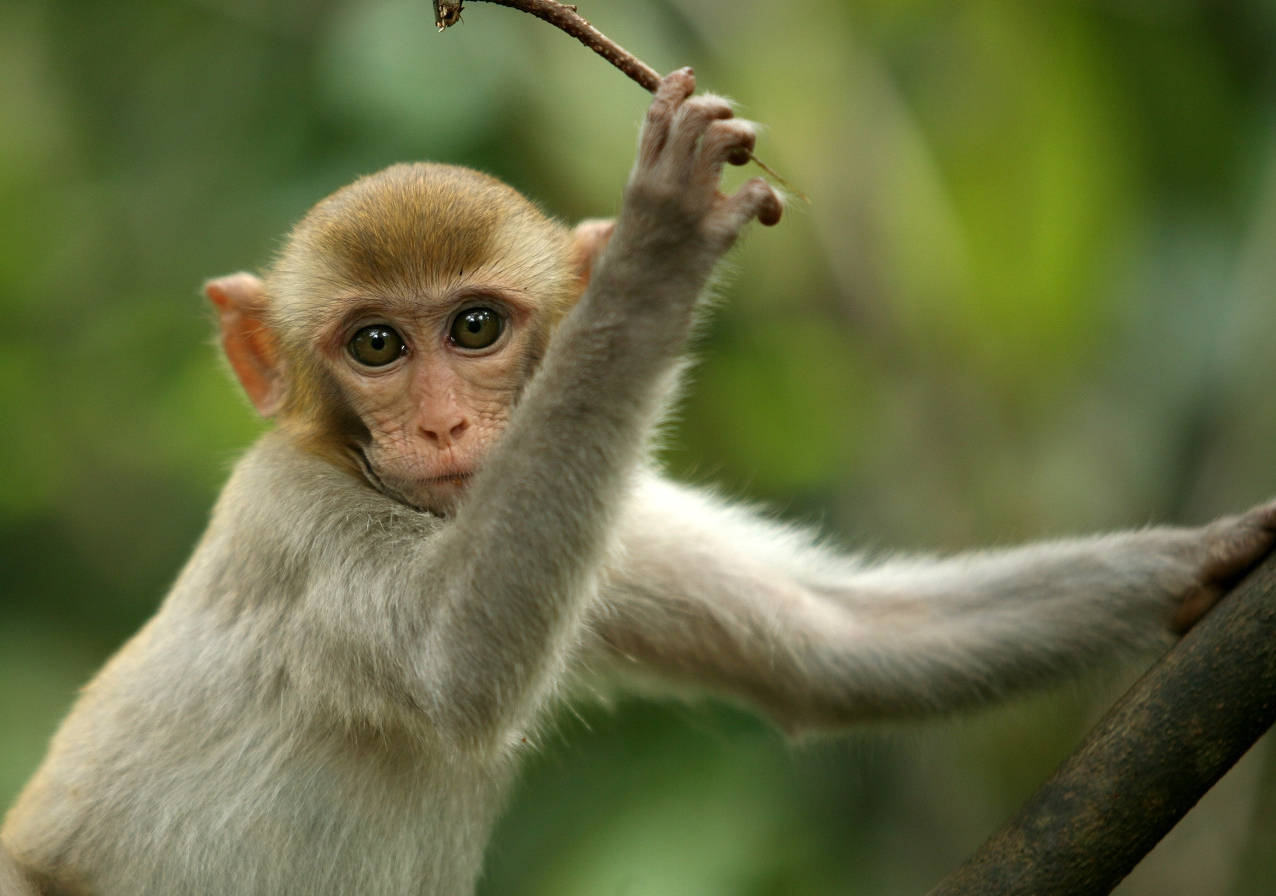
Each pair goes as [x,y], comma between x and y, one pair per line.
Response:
[1155,753]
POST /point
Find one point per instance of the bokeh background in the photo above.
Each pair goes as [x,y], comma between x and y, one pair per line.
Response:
[1033,293]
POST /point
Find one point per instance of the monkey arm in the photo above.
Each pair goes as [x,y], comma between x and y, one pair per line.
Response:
[710,595]
[505,584]
[457,628]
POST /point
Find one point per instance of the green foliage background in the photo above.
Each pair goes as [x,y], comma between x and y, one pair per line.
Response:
[1034,292]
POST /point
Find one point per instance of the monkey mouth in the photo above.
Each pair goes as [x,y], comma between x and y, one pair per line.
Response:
[420,494]
[456,479]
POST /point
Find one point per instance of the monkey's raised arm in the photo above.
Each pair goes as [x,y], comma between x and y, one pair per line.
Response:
[710,595]
[511,569]
[492,597]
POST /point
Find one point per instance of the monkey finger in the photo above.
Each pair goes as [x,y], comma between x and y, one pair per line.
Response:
[674,89]
[726,141]
[690,123]
[1237,544]
[1263,516]
[755,199]
[1193,608]
[771,209]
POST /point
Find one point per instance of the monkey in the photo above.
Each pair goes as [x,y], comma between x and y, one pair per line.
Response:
[12,880]
[456,523]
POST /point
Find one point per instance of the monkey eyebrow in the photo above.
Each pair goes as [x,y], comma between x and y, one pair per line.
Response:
[517,300]
[426,305]
[348,314]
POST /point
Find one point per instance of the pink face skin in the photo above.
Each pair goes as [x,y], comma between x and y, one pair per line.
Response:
[433,379]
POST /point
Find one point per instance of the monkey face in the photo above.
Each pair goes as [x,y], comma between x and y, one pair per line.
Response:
[428,383]
[411,308]
[401,321]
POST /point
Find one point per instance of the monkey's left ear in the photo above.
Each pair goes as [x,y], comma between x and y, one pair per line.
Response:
[589,238]
[247,338]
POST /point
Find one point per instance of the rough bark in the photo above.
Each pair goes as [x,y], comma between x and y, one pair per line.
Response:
[1148,762]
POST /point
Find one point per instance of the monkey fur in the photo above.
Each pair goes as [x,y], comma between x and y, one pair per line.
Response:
[442,532]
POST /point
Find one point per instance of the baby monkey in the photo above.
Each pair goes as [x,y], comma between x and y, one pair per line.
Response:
[455,520]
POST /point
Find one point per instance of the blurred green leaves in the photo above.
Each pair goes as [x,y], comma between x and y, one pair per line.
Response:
[383,71]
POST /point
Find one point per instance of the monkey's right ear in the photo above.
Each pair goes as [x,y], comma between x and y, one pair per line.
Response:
[247,338]
[589,238]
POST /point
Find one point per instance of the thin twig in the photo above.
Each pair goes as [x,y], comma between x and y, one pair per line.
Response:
[565,18]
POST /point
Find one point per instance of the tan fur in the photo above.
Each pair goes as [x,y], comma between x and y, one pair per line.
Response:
[335,694]
[13,880]
[454,223]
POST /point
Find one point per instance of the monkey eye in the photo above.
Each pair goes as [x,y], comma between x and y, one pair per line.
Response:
[376,346]
[476,328]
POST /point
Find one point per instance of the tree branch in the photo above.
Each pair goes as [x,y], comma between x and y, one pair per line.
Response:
[448,12]
[564,17]
[1149,760]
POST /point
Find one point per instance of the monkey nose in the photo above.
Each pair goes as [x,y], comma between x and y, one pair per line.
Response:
[444,435]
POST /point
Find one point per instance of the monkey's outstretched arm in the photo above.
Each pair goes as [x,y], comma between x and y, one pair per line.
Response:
[709,594]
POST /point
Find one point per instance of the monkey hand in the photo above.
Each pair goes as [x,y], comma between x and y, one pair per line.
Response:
[672,197]
[1225,550]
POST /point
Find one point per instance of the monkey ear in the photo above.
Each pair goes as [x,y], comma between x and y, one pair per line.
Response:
[589,238]
[247,338]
